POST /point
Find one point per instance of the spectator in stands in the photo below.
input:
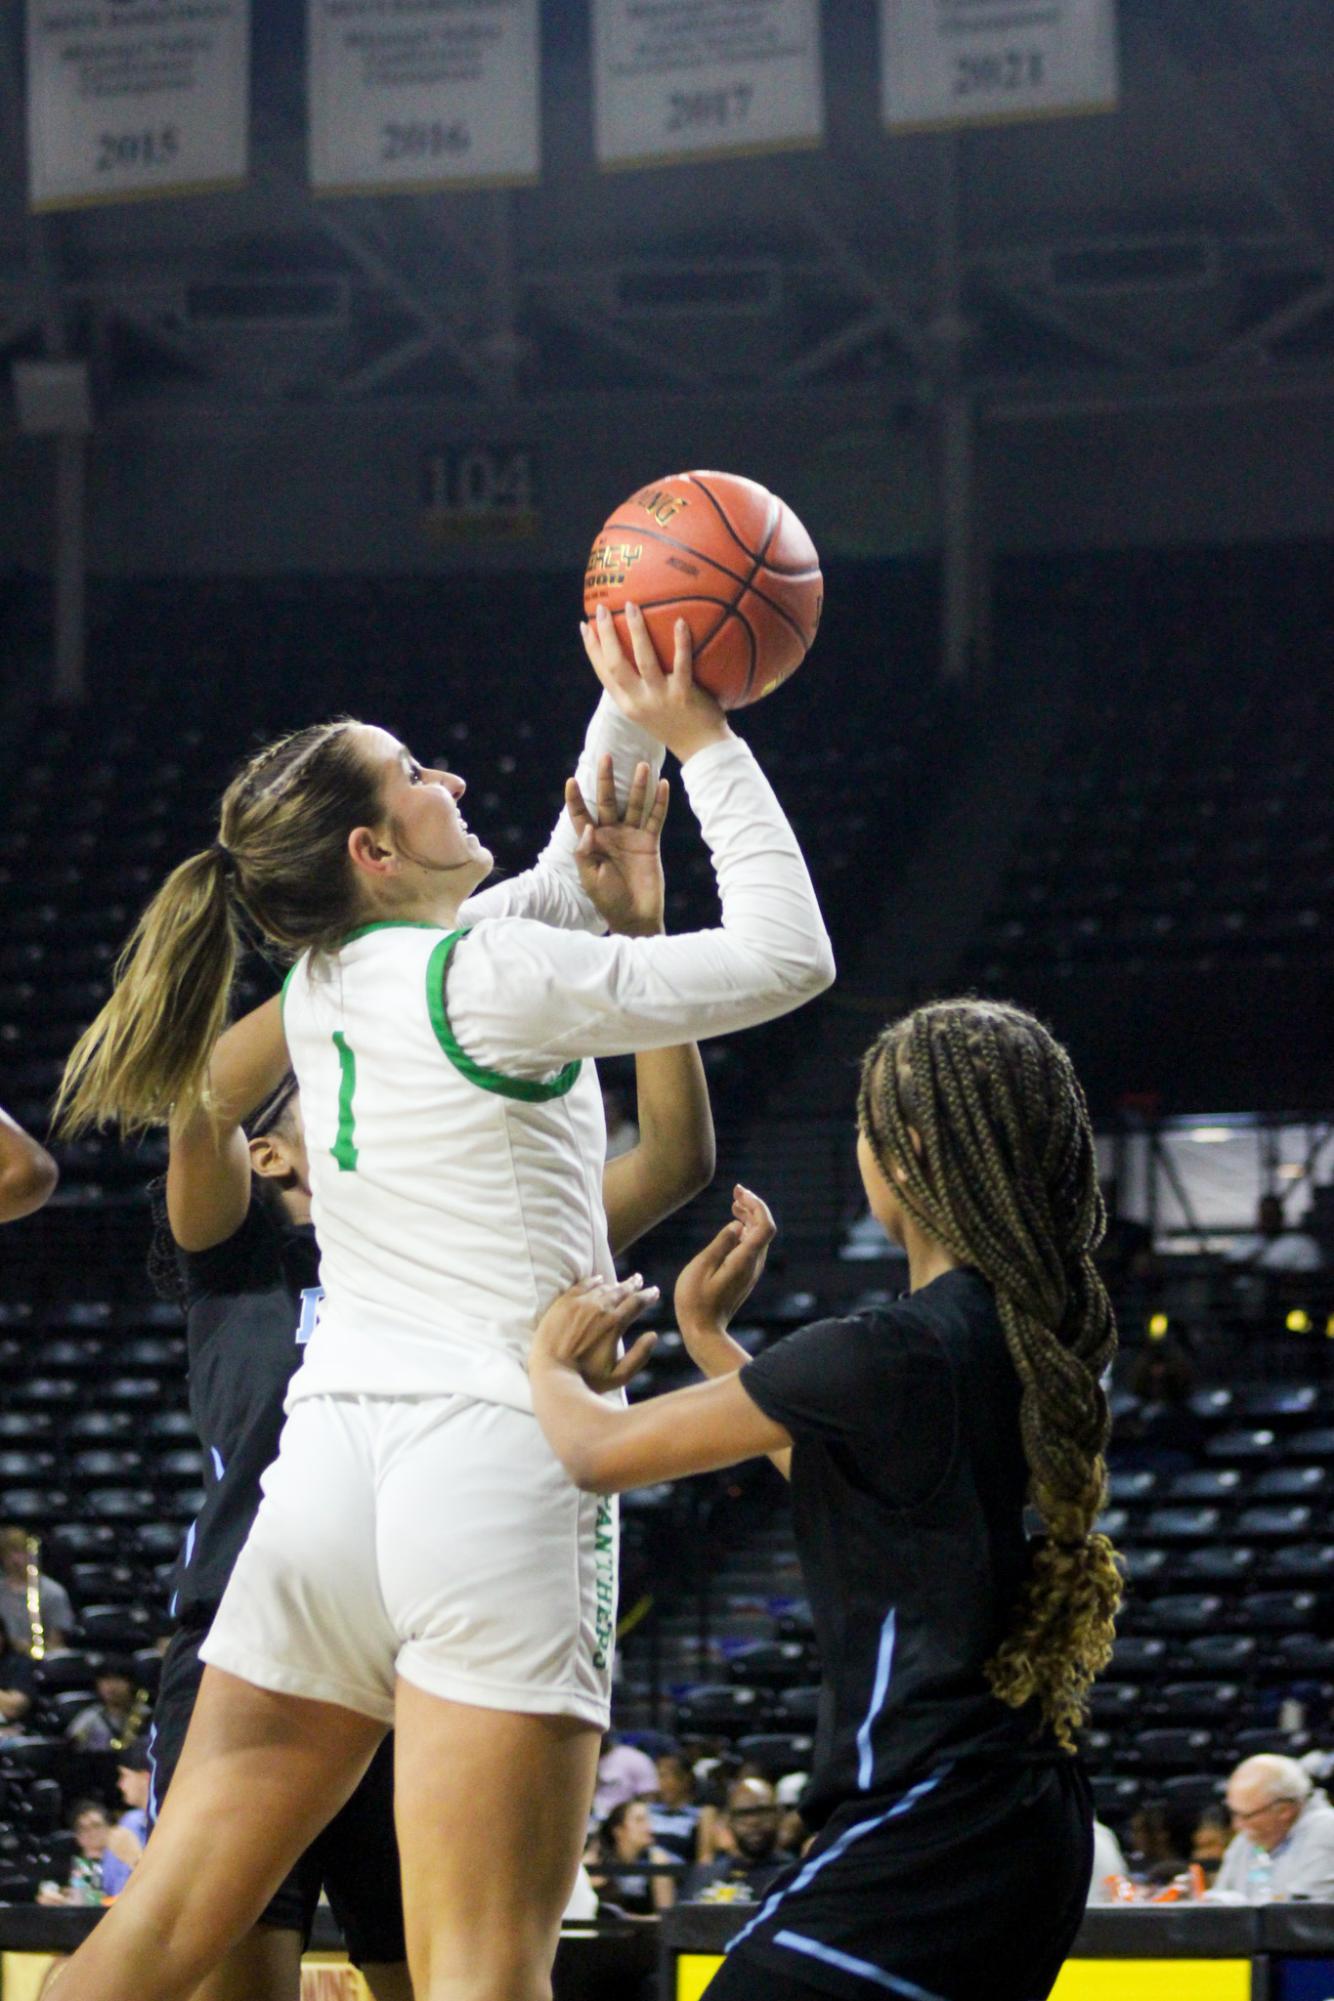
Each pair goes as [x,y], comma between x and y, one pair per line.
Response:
[92,1828]
[756,1859]
[18,1575]
[1109,1865]
[108,1723]
[622,1851]
[127,1839]
[624,1773]
[1160,1432]
[1283,1845]
[1210,1838]
[675,1814]
[793,1833]
[1155,1846]
[28,1175]
[1274,1247]
[16,1687]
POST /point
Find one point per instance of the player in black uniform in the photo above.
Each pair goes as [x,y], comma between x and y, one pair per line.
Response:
[249,1296]
[954,1840]
[234,1244]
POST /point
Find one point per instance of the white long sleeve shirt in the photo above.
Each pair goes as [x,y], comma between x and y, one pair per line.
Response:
[454,1131]
[1301,1866]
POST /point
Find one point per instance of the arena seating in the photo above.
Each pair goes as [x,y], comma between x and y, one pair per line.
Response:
[1230,1610]
[1185,833]
[1228,1616]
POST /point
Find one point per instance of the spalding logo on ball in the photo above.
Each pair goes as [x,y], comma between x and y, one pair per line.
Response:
[730,558]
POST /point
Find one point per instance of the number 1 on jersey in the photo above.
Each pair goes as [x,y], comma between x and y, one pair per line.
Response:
[344,1148]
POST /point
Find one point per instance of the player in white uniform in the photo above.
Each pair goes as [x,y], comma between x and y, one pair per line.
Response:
[419,1555]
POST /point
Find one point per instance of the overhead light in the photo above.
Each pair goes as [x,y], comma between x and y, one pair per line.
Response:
[1299,1321]
[1290,1170]
[1158,1324]
[1210,1135]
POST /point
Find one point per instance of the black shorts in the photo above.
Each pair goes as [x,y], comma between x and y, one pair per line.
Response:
[354,1861]
[973,1882]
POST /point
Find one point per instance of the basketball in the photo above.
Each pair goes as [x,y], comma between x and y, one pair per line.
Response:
[730,558]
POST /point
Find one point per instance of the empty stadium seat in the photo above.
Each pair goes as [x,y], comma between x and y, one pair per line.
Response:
[720,1708]
[1162,1749]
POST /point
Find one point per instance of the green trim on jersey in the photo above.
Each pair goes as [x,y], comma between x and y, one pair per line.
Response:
[344,1149]
[529,1091]
[388,924]
[282,992]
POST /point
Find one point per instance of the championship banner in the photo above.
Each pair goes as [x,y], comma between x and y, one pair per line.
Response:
[133,98]
[691,79]
[438,94]
[975,62]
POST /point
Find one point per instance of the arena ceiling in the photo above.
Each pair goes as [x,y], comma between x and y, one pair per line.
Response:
[1178,251]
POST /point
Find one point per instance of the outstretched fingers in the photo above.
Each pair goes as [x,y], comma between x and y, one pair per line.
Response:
[609,811]
[683,657]
[641,645]
[656,812]
[636,805]
[633,1360]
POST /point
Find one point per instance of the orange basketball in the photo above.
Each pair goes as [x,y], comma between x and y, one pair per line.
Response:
[728,556]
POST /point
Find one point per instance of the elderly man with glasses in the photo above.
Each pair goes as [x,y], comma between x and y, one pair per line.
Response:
[1283,1845]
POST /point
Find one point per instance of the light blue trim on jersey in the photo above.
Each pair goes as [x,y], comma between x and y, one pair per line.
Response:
[219,1469]
[310,1303]
[190,1535]
[884,1667]
[806,1875]
[863,1968]
[152,1774]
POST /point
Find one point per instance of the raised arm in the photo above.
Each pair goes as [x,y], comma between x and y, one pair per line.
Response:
[526,1000]
[689,1431]
[606,1448]
[552,891]
[208,1165]
[619,853]
[28,1175]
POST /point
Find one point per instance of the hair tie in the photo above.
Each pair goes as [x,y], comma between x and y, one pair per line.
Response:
[228,858]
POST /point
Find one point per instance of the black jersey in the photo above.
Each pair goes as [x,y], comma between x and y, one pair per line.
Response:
[908,1485]
[250,1305]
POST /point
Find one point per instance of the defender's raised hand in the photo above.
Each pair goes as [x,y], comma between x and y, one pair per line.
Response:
[718,1281]
[619,853]
[582,1330]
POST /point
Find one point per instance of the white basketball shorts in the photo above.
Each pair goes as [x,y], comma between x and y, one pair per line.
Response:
[438,1539]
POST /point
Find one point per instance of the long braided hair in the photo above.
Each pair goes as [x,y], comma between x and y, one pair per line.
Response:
[1006,1178]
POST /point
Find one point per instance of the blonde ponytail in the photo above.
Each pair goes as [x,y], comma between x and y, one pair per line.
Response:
[147,1052]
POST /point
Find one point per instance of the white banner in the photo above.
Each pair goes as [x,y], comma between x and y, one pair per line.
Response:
[971,62]
[424,94]
[677,79]
[128,98]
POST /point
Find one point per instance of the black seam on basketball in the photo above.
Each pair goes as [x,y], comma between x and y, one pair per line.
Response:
[722,514]
[747,584]
[729,612]
[766,561]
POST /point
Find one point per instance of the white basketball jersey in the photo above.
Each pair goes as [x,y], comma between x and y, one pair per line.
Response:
[452,1204]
